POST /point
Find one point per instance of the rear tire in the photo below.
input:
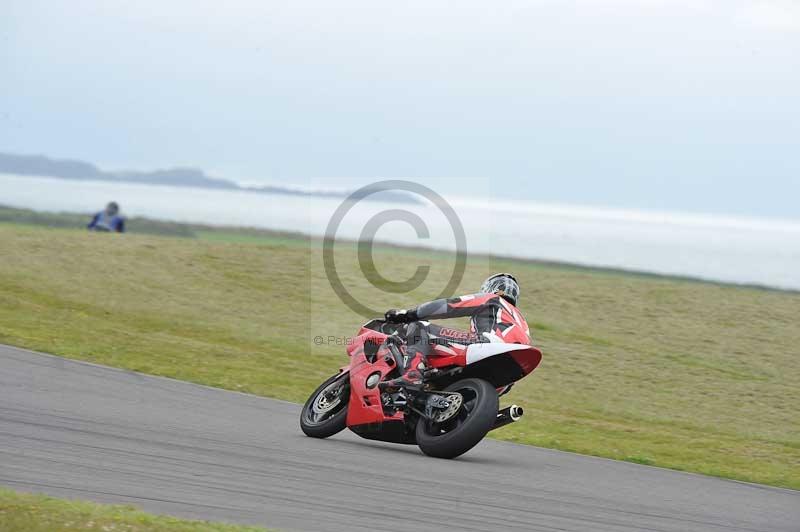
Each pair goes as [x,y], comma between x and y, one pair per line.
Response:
[467,428]
[325,415]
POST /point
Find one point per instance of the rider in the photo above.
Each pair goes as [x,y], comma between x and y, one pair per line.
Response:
[108,220]
[488,321]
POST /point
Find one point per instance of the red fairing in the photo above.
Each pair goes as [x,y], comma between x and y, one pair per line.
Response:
[365,404]
[443,356]
[528,359]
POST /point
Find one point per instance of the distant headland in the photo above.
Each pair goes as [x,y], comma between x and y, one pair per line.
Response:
[42,166]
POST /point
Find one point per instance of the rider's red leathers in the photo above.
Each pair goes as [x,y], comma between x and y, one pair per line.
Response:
[490,317]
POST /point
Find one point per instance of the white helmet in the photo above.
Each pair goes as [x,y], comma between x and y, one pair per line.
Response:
[504,285]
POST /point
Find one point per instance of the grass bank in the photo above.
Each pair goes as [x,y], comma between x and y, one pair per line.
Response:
[20,512]
[674,373]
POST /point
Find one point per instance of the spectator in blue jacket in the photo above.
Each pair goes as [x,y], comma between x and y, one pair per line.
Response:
[108,221]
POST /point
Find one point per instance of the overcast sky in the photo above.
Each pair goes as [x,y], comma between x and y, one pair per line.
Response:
[687,105]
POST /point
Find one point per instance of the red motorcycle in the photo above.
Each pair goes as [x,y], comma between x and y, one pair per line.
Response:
[446,416]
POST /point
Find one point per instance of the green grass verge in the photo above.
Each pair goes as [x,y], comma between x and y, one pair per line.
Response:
[21,512]
[145,226]
[680,374]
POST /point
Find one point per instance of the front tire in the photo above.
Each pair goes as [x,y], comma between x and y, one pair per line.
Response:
[325,412]
[467,427]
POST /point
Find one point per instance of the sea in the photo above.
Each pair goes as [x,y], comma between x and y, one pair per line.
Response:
[728,249]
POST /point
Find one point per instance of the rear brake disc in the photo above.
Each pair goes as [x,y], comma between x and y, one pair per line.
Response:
[455,400]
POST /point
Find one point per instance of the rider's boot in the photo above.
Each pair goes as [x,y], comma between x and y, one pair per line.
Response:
[412,375]
[417,349]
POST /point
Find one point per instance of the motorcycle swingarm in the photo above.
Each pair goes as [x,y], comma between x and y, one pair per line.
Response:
[433,401]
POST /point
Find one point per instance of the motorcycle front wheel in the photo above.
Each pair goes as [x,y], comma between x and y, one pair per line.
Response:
[325,412]
[461,432]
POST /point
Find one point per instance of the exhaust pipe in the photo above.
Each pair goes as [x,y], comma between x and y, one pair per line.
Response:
[507,415]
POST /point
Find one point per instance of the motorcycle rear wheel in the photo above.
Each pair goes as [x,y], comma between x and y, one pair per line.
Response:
[325,412]
[462,432]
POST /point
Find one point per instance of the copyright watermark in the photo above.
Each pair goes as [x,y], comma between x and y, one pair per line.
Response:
[333,340]
[366,240]
[352,340]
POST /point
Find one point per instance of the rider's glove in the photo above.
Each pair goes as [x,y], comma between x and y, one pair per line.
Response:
[400,315]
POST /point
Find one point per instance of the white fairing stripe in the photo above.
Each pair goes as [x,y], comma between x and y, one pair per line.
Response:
[477,352]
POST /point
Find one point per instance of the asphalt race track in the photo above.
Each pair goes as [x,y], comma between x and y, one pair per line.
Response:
[78,430]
